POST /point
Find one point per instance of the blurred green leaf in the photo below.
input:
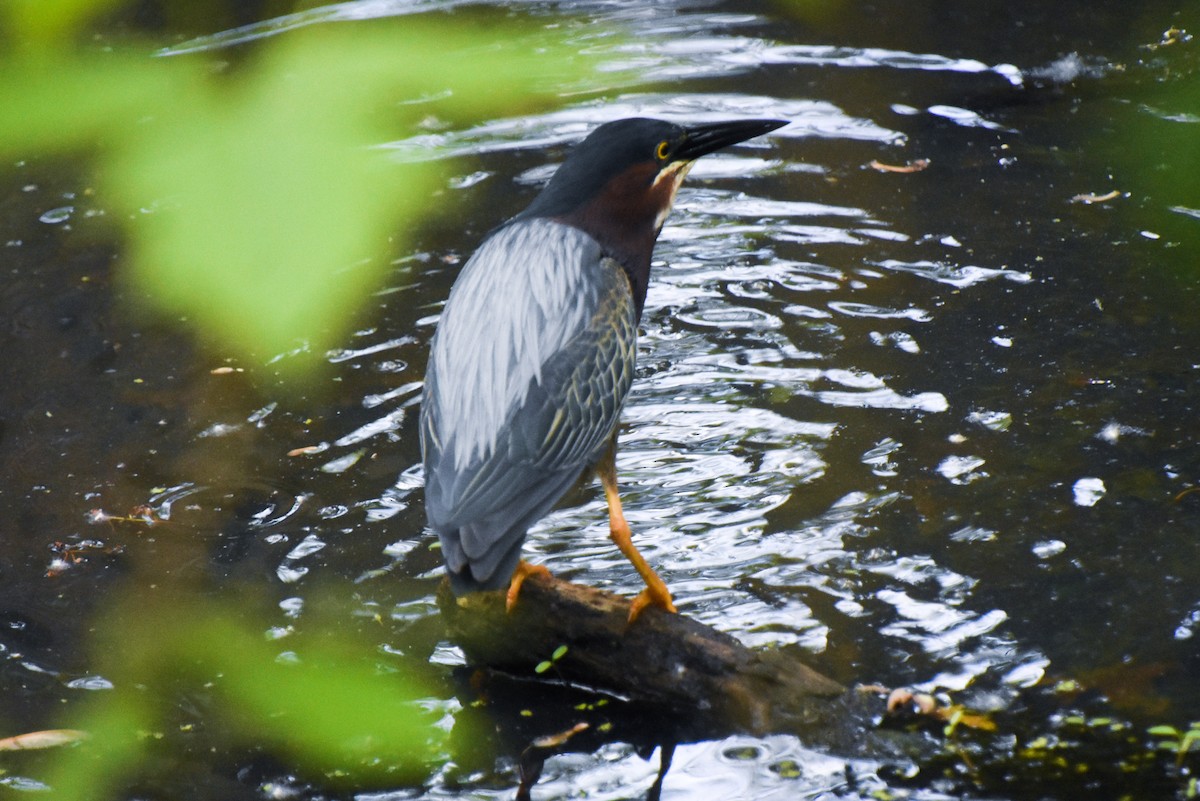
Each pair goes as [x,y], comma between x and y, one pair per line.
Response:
[98,101]
[114,725]
[47,22]
[1163,731]
[269,208]
[1155,152]
[253,202]
[327,707]
[253,205]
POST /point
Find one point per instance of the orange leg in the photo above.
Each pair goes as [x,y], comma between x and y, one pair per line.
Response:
[524,570]
[656,592]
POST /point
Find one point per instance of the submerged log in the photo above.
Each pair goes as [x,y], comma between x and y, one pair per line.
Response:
[664,660]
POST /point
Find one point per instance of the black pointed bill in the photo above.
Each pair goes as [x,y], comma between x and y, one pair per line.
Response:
[700,140]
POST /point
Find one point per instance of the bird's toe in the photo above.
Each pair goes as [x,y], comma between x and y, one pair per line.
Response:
[651,596]
[524,570]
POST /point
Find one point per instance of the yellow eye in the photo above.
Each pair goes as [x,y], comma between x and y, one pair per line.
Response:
[661,152]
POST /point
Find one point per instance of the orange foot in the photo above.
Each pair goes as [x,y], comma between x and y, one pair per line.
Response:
[655,594]
[524,570]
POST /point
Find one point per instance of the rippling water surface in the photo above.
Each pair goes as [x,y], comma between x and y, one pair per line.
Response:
[935,427]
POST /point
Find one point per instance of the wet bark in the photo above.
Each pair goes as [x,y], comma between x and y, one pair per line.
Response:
[664,660]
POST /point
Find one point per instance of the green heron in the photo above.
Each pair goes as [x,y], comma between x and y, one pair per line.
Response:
[534,352]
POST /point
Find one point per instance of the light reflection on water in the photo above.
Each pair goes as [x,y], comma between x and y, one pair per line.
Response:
[770,768]
[714,445]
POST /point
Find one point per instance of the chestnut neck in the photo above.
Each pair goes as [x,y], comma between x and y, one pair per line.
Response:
[625,217]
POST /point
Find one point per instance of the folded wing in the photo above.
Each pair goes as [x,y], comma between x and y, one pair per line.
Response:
[530,366]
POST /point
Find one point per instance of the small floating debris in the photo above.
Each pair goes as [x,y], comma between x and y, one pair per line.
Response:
[56,216]
[912,166]
[1169,37]
[343,463]
[49,738]
[904,702]
[142,513]
[1090,197]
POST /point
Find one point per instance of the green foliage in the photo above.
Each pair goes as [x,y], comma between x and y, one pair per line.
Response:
[114,746]
[1155,152]
[251,200]
[546,664]
[1177,742]
[44,23]
[323,706]
[252,205]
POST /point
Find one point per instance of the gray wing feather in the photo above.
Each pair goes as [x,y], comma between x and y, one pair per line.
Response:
[532,361]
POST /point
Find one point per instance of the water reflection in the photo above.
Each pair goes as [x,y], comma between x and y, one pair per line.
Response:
[771,768]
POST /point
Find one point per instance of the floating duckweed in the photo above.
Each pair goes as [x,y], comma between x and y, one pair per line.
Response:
[743,753]
[1163,731]
[544,665]
[786,769]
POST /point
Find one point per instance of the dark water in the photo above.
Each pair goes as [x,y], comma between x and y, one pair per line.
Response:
[936,428]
